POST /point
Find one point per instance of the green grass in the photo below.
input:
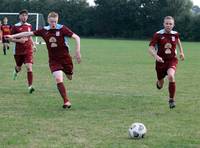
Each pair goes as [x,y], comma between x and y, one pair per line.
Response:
[113,87]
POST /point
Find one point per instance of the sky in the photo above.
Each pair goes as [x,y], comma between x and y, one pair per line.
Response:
[195,2]
[91,2]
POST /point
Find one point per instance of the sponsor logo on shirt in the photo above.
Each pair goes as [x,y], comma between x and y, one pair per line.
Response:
[163,38]
[168,47]
[53,41]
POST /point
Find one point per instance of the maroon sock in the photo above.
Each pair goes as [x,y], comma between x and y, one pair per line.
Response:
[172,89]
[62,90]
[30,78]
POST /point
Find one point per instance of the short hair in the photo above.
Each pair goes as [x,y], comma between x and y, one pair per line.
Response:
[53,14]
[23,11]
[169,18]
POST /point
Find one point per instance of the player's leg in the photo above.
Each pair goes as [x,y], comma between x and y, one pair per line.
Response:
[19,61]
[161,73]
[7,45]
[58,75]
[160,83]
[68,68]
[69,76]
[30,77]
[4,48]
[171,87]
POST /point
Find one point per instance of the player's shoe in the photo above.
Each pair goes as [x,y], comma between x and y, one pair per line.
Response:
[172,104]
[67,105]
[14,75]
[158,87]
[31,89]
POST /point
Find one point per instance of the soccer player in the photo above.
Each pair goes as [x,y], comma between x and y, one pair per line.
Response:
[59,58]
[23,52]
[6,30]
[163,48]
[0,32]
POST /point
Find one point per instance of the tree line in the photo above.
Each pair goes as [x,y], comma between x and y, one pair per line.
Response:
[137,19]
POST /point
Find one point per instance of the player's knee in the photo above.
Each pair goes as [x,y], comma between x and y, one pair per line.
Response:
[29,69]
[18,68]
[69,77]
[58,80]
[171,77]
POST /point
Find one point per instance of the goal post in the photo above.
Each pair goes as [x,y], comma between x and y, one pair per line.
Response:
[35,19]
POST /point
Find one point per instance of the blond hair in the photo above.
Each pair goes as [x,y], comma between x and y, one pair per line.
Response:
[169,18]
[53,14]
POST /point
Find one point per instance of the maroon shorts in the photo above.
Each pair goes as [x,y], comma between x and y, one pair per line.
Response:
[23,59]
[161,68]
[64,64]
[4,40]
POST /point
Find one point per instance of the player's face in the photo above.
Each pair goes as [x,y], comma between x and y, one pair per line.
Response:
[23,17]
[5,20]
[168,25]
[52,22]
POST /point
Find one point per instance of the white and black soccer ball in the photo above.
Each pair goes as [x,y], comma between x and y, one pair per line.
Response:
[137,130]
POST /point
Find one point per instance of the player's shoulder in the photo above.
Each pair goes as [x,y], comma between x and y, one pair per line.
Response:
[20,24]
[58,27]
[162,31]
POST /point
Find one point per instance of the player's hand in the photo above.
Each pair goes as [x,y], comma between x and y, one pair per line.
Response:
[159,59]
[34,48]
[23,40]
[78,57]
[8,37]
[182,57]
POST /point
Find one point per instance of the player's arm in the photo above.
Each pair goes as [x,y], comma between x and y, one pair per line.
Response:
[20,35]
[153,53]
[180,50]
[33,45]
[78,51]
[18,40]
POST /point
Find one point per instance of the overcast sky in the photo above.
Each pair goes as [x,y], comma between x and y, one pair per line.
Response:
[195,2]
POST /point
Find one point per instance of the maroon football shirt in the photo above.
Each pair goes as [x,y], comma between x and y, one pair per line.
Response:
[55,40]
[165,44]
[22,48]
[6,29]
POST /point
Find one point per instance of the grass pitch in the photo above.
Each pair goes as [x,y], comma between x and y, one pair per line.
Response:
[113,87]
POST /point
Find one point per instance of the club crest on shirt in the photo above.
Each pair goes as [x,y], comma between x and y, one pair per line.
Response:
[173,38]
[168,47]
[57,33]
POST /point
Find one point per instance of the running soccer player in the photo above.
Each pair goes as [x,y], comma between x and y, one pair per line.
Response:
[6,30]
[23,52]
[59,58]
[0,32]
[163,49]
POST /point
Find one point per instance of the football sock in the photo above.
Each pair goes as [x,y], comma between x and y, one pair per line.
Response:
[172,89]
[62,91]
[30,78]
[4,50]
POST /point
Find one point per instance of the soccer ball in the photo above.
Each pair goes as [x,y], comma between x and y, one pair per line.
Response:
[137,130]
